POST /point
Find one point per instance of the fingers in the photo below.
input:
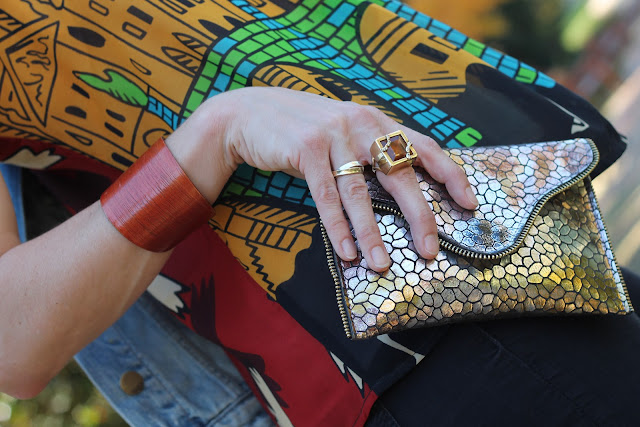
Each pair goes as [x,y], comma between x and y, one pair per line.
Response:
[402,185]
[443,169]
[404,188]
[356,201]
[328,202]
[350,192]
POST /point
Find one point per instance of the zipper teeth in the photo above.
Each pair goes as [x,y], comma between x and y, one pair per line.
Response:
[527,226]
[331,262]
[460,251]
[613,255]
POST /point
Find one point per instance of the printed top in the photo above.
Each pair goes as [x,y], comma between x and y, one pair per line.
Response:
[87,86]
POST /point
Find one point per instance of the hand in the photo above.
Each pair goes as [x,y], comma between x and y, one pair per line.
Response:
[273,129]
[308,136]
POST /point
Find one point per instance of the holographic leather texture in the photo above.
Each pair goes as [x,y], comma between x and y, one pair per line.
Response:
[535,245]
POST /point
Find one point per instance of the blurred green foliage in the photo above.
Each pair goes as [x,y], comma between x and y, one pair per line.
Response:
[69,400]
[533,32]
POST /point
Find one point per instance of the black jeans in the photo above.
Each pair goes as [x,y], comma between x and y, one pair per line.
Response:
[579,370]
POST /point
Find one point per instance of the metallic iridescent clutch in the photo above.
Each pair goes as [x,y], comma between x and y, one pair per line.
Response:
[535,245]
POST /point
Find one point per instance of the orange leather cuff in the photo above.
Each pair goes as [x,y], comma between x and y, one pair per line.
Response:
[154,204]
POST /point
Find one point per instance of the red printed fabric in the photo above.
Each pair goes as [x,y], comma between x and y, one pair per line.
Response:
[88,86]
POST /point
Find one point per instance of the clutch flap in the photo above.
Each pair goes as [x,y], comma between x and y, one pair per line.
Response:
[511,182]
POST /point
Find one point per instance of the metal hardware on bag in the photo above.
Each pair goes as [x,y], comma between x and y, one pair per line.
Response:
[613,255]
[536,210]
[353,322]
[336,279]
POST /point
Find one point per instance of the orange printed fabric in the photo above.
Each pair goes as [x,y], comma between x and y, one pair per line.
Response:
[89,85]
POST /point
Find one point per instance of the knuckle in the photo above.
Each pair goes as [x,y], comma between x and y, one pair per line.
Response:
[432,152]
[334,117]
[454,172]
[426,216]
[327,193]
[372,111]
[460,174]
[362,114]
[431,143]
[315,139]
[356,190]
[401,180]
[406,176]
[369,235]
[335,224]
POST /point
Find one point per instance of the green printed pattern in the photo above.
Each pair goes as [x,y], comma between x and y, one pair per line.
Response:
[319,35]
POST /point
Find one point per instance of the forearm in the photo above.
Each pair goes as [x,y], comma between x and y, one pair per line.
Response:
[61,290]
[8,225]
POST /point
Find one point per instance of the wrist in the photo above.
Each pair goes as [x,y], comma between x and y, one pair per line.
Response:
[154,204]
[200,145]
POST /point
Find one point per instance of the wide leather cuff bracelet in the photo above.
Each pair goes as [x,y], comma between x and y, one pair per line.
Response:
[154,204]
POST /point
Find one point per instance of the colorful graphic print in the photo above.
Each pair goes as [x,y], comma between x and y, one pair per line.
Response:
[151,82]
[255,232]
[89,85]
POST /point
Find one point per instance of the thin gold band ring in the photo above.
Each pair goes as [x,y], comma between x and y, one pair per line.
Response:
[350,168]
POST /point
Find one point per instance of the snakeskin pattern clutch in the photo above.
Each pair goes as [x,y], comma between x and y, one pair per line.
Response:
[535,245]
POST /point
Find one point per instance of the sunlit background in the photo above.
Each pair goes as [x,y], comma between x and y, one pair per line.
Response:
[590,46]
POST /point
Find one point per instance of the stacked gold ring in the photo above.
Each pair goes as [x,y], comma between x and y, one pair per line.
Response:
[350,168]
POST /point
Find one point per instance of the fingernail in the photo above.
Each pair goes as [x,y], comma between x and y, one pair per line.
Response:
[380,257]
[349,249]
[472,197]
[431,245]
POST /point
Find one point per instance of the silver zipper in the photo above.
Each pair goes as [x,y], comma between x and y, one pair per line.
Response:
[331,255]
[331,262]
[615,261]
[451,247]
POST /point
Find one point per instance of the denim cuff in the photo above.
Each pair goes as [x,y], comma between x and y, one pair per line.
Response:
[185,380]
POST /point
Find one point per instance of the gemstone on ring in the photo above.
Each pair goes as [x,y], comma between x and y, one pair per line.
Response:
[392,152]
